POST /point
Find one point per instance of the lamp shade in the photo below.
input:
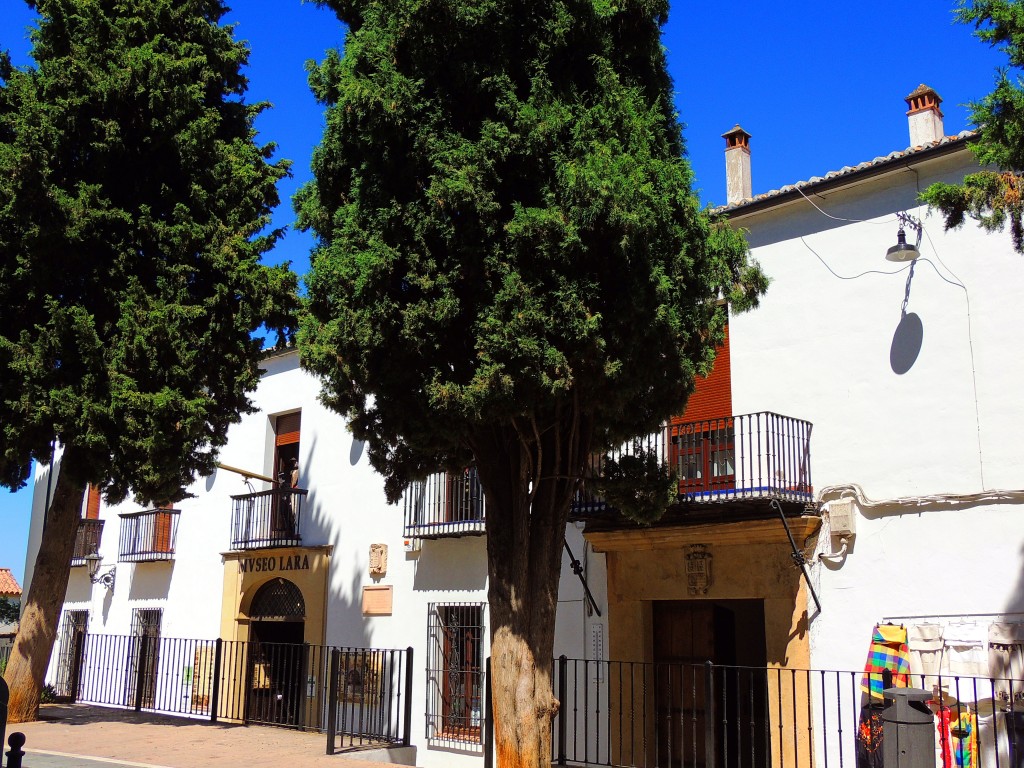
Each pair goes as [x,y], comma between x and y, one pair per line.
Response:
[902,251]
[92,562]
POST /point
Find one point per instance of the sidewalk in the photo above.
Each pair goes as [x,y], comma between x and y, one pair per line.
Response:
[66,735]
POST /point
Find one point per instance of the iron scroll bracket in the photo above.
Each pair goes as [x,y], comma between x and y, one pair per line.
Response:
[577,568]
[798,555]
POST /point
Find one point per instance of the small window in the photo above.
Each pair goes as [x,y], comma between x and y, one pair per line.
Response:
[287,432]
[455,672]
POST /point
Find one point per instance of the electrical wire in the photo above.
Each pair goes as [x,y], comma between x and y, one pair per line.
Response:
[839,218]
[847,490]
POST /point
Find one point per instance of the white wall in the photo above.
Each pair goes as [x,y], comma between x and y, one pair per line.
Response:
[819,349]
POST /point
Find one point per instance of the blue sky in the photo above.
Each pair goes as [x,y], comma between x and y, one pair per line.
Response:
[818,85]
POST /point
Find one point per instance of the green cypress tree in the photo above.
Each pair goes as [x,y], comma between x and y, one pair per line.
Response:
[511,271]
[992,197]
[133,202]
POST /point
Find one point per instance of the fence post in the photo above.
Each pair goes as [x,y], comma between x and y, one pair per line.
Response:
[76,664]
[407,714]
[218,650]
[332,699]
[563,666]
[709,714]
[14,754]
[5,696]
[489,719]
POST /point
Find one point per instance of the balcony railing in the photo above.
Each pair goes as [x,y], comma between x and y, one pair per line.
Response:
[445,504]
[87,540]
[148,535]
[756,455]
[267,519]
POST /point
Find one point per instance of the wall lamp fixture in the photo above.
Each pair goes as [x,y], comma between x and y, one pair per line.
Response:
[92,562]
[904,251]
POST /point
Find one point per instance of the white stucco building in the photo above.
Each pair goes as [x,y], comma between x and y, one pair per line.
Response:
[860,423]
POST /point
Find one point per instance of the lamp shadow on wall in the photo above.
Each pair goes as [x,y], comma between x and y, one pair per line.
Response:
[906,343]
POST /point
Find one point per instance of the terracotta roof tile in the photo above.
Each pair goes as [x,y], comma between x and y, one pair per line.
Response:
[9,586]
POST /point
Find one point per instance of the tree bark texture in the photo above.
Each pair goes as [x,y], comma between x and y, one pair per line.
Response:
[30,656]
[529,476]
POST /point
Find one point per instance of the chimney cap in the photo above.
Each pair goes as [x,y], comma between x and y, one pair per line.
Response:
[923,98]
[736,137]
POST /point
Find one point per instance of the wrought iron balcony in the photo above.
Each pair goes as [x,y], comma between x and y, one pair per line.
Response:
[87,540]
[734,458]
[267,519]
[445,504]
[148,535]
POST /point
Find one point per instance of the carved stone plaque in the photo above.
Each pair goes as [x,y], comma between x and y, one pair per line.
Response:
[378,559]
[698,569]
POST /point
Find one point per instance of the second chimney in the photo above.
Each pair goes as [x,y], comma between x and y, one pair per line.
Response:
[737,165]
[924,116]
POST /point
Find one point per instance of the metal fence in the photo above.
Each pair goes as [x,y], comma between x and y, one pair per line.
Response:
[279,684]
[369,697]
[267,519]
[667,715]
[752,455]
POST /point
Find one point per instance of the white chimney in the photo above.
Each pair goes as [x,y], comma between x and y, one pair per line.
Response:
[737,165]
[924,116]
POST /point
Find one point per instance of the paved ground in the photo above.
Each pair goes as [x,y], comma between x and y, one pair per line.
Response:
[84,736]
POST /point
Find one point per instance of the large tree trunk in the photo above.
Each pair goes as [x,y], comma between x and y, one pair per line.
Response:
[30,655]
[529,487]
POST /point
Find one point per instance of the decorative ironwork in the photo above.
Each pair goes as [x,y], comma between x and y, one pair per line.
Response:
[87,540]
[455,666]
[267,519]
[445,504]
[148,535]
[746,457]
[278,599]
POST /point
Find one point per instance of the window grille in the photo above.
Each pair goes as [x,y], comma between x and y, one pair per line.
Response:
[278,599]
[145,659]
[72,639]
[455,665]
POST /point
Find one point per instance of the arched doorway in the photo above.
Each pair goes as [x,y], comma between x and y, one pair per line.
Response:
[277,655]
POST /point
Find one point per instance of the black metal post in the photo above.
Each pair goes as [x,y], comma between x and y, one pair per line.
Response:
[563,666]
[407,714]
[215,693]
[489,717]
[709,713]
[16,741]
[5,696]
[332,699]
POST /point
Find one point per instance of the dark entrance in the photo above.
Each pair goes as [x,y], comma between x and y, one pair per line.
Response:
[687,634]
[277,655]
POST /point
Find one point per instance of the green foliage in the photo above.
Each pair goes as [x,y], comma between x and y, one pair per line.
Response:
[638,485]
[10,611]
[506,229]
[989,197]
[133,202]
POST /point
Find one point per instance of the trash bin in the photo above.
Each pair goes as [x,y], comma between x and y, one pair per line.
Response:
[908,729]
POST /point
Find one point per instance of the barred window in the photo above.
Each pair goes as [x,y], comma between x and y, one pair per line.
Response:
[455,681]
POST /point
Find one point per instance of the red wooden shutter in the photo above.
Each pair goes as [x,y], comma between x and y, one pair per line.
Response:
[712,398]
[287,428]
[92,502]
[162,529]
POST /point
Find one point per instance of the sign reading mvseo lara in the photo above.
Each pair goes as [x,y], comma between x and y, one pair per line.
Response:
[272,564]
